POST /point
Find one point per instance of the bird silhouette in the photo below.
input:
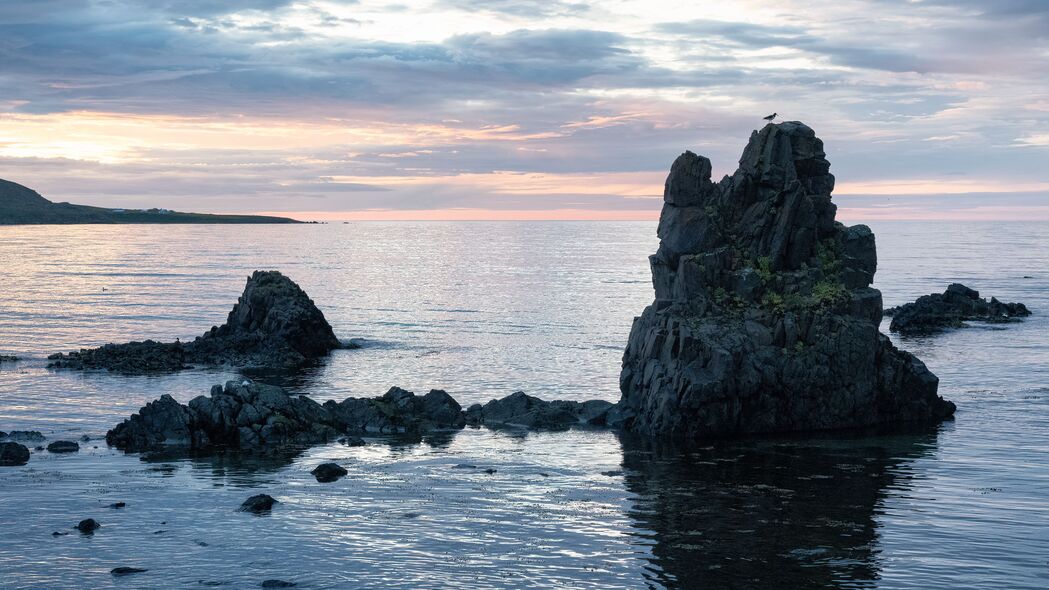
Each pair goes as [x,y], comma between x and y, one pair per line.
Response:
[770,117]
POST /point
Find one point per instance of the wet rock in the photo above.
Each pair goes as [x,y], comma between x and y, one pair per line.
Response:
[278,584]
[764,319]
[63,446]
[353,441]
[58,534]
[491,471]
[522,410]
[88,526]
[8,358]
[274,325]
[126,571]
[12,453]
[951,309]
[258,504]
[85,438]
[398,412]
[117,505]
[25,436]
[328,472]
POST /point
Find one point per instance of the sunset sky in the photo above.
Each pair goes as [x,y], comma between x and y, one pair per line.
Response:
[512,109]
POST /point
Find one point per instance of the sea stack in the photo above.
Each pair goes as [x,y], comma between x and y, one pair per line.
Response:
[764,319]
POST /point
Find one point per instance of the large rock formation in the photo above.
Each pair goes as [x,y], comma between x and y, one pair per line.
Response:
[273,325]
[951,309]
[764,320]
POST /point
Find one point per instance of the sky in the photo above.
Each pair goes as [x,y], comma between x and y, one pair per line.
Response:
[518,109]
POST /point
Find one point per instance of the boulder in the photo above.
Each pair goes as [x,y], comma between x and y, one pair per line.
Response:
[398,412]
[88,526]
[951,309]
[328,472]
[258,504]
[522,410]
[764,320]
[12,453]
[274,325]
[63,446]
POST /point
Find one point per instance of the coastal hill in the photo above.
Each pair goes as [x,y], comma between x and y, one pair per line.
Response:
[20,205]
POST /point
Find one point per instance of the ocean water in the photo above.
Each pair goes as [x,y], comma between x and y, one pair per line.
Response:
[483,309]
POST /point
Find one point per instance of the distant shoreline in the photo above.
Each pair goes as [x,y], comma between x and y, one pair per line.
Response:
[21,205]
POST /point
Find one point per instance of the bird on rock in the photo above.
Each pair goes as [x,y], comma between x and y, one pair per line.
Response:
[770,117]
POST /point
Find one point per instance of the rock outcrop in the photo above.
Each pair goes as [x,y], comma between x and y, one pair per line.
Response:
[951,309]
[525,411]
[274,325]
[246,415]
[764,320]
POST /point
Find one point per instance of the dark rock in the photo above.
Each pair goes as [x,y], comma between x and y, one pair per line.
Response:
[258,504]
[278,584]
[88,526]
[273,325]
[8,358]
[25,436]
[63,446]
[764,320]
[353,441]
[464,466]
[12,453]
[117,505]
[490,471]
[58,534]
[951,309]
[85,438]
[522,410]
[126,571]
[245,415]
[328,472]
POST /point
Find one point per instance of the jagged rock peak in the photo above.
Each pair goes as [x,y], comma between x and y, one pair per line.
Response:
[764,320]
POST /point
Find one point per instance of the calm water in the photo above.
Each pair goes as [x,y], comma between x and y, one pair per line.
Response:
[482,310]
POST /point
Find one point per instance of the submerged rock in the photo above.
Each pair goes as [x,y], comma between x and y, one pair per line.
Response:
[258,504]
[274,325]
[951,309]
[127,571]
[328,472]
[88,526]
[764,319]
[8,358]
[246,415]
[12,453]
[63,446]
[278,584]
[24,435]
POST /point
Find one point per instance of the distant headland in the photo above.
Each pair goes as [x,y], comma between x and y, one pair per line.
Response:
[20,205]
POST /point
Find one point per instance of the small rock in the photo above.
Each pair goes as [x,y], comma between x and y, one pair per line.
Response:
[161,532]
[58,534]
[117,505]
[328,472]
[613,473]
[278,584]
[88,526]
[353,441]
[12,453]
[126,571]
[63,446]
[490,471]
[464,466]
[85,438]
[26,435]
[258,504]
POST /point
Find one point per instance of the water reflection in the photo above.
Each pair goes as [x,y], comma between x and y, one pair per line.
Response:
[782,513]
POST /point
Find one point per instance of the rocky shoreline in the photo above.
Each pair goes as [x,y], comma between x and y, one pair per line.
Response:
[951,309]
[274,325]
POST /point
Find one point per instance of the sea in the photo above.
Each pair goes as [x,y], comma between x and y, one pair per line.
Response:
[484,309]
